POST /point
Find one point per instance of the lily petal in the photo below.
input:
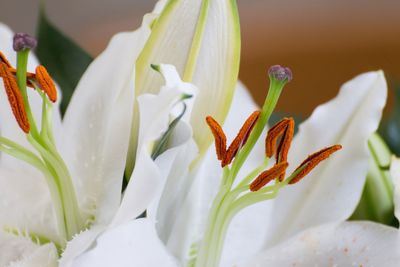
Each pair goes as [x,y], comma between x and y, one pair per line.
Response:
[331,192]
[202,39]
[345,244]
[132,244]
[25,203]
[43,256]
[97,124]
[146,180]
[13,248]
[79,244]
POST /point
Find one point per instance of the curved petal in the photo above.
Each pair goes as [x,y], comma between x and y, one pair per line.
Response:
[345,244]
[97,124]
[43,256]
[21,251]
[146,180]
[132,244]
[79,244]
[395,173]
[25,203]
[202,39]
[331,192]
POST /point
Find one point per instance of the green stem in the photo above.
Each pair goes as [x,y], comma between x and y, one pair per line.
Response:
[22,63]
[71,208]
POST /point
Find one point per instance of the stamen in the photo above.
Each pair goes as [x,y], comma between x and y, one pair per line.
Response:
[268,175]
[4,60]
[46,83]
[14,97]
[312,161]
[219,136]
[284,145]
[285,130]
[241,138]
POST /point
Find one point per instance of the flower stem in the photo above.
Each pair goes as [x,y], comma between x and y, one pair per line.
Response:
[22,63]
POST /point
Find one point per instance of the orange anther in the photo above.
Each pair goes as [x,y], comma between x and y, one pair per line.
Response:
[285,130]
[14,97]
[219,136]
[226,156]
[4,60]
[46,83]
[241,138]
[268,175]
[312,161]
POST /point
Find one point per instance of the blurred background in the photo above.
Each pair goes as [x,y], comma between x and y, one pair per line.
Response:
[324,42]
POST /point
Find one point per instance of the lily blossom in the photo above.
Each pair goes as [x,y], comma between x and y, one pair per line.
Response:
[61,181]
[176,225]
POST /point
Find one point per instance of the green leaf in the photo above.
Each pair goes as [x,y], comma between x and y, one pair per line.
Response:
[376,203]
[390,127]
[65,60]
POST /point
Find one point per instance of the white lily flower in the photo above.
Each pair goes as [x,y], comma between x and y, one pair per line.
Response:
[81,158]
[328,195]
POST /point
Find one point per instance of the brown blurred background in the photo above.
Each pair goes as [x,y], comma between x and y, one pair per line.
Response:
[325,42]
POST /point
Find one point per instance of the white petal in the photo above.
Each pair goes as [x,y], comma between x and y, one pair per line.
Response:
[97,124]
[132,244]
[395,173]
[14,248]
[331,191]
[79,244]
[43,256]
[146,180]
[25,203]
[346,244]
[208,58]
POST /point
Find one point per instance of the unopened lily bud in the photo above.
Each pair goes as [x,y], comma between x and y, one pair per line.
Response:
[23,41]
[181,36]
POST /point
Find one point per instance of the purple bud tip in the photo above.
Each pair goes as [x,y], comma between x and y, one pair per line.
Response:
[280,73]
[23,41]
